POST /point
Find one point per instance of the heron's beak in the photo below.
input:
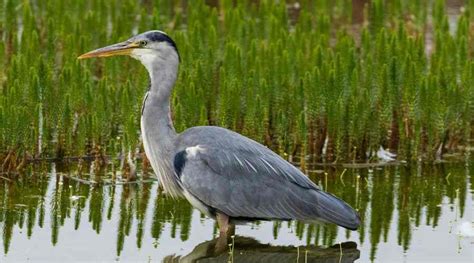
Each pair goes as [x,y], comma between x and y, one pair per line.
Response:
[123,48]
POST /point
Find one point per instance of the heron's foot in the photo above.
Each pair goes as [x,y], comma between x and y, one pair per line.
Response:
[221,245]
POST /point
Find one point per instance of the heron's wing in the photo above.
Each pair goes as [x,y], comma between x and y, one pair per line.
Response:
[243,179]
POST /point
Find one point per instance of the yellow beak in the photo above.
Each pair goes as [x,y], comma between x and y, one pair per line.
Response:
[123,48]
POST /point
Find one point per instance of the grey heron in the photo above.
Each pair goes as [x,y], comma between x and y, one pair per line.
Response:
[225,175]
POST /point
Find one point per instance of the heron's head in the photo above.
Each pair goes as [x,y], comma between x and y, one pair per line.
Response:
[151,48]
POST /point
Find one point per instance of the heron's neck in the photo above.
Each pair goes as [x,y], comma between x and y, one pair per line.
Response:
[157,127]
[156,115]
[156,112]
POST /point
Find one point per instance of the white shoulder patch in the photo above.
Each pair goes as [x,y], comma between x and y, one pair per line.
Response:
[193,151]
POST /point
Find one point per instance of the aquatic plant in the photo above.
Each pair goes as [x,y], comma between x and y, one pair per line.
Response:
[304,78]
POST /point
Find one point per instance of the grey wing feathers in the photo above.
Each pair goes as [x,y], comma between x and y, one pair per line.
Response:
[230,152]
[244,179]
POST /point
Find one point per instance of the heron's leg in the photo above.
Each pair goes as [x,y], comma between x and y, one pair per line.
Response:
[223,223]
[226,229]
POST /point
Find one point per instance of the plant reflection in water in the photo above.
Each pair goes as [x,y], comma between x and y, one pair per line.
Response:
[51,210]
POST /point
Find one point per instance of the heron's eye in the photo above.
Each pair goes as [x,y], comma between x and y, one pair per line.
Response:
[143,43]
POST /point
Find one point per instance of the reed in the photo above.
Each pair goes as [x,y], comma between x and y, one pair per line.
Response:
[306,79]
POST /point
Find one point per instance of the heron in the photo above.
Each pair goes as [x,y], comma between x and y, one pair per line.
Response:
[225,175]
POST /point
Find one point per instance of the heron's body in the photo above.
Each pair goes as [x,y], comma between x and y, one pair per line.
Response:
[222,173]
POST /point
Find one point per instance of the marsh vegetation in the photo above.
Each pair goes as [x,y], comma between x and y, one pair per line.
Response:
[325,84]
[325,81]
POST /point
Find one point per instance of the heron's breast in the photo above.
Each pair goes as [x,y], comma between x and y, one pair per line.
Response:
[146,142]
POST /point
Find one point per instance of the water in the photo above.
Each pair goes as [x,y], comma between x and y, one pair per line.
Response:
[409,215]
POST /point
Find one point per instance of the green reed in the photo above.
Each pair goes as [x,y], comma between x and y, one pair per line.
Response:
[303,79]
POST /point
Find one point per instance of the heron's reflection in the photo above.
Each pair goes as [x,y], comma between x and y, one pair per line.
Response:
[249,250]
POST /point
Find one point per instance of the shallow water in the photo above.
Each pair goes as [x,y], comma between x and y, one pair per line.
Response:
[409,215]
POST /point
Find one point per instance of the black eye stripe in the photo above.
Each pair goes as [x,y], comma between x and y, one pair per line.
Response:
[156,37]
[159,37]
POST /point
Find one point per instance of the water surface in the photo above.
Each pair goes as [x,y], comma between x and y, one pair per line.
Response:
[410,214]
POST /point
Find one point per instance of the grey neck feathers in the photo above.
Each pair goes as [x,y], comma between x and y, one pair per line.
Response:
[157,127]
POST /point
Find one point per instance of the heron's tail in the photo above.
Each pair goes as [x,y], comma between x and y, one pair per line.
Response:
[332,209]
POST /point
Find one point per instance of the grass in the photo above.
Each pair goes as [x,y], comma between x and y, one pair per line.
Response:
[305,79]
